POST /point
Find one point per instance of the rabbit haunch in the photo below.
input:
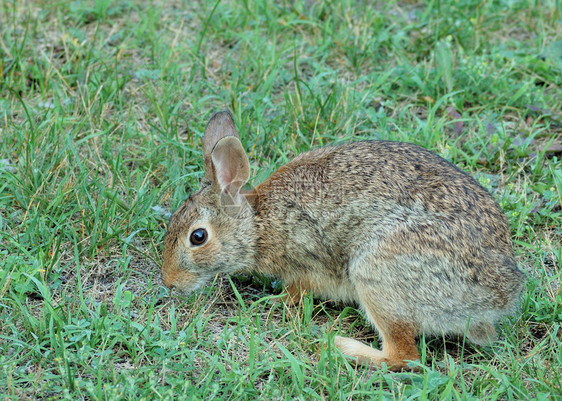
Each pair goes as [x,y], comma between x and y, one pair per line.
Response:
[391,226]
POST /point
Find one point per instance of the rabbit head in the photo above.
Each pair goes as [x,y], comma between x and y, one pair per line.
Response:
[212,232]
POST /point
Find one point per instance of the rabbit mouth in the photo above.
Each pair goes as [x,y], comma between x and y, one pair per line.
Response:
[189,284]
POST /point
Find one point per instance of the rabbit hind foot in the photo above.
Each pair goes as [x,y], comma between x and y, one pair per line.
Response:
[395,353]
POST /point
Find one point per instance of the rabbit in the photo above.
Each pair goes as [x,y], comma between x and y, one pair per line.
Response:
[399,231]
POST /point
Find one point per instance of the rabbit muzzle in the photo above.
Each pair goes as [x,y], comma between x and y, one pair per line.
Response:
[181,279]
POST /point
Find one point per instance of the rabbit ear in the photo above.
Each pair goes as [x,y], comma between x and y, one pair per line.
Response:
[231,166]
[220,126]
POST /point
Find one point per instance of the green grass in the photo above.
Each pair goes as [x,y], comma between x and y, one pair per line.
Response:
[102,107]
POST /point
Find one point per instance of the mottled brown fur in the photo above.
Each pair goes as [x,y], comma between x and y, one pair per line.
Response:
[419,245]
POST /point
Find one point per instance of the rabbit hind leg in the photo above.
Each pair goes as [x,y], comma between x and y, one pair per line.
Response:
[398,348]
[398,342]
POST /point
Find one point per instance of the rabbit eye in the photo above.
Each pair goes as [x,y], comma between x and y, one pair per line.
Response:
[198,237]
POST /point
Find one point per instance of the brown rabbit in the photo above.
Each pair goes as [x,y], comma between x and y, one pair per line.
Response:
[418,244]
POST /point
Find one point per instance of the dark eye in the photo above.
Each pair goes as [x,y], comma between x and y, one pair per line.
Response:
[198,237]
